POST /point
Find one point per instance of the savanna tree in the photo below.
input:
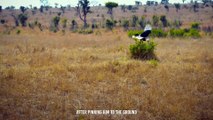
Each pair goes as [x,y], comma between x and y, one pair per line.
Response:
[164,20]
[15,19]
[125,24]
[110,6]
[142,22]
[155,20]
[23,19]
[134,20]
[167,8]
[177,6]
[41,9]
[23,9]
[83,9]
[54,24]
[64,23]
[183,1]
[63,9]
[0,8]
[123,8]
[74,25]
[109,24]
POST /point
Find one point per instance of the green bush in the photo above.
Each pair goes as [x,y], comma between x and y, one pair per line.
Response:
[125,24]
[85,31]
[54,24]
[177,32]
[195,25]
[158,33]
[142,50]
[193,33]
[109,24]
[23,19]
[185,33]
[134,32]
[18,32]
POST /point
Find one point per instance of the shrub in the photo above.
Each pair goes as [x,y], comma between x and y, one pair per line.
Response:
[64,23]
[109,24]
[2,21]
[54,24]
[142,50]
[23,9]
[193,33]
[142,22]
[134,32]
[164,20]
[125,24]
[134,20]
[158,33]
[177,32]
[195,25]
[185,33]
[155,20]
[153,62]
[177,23]
[74,25]
[23,19]
[85,31]
[18,32]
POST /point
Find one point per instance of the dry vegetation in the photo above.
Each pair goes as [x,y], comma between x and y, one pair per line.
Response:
[49,76]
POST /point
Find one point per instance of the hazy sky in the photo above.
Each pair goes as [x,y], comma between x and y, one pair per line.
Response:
[18,3]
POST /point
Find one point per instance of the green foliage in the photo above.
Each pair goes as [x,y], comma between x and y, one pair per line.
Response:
[158,33]
[18,32]
[23,19]
[85,8]
[125,24]
[64,22]
[177,32]
[2,21]
[23,9]
[155,20]
[54,24]
[85,31]
[109,24]
[134,32]
[153,62]
[41,9]
[134,20]
[110,6]
[142,22]
[0,8]
[193,33]
[164,20]
[195,25]
[177,23]
[129,7]
[142,50]
[177,6]
[74,25]
[123,8]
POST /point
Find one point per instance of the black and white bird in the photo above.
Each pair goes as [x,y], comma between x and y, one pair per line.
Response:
[144,35]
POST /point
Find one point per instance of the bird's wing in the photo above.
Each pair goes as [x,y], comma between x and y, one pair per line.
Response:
[145,33]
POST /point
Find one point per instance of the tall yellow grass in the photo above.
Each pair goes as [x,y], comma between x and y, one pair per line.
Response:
[50,76]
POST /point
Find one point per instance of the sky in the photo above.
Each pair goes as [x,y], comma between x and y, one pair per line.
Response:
[18,3]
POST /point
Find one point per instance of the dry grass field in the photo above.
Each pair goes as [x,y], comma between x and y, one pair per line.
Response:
[49,76]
